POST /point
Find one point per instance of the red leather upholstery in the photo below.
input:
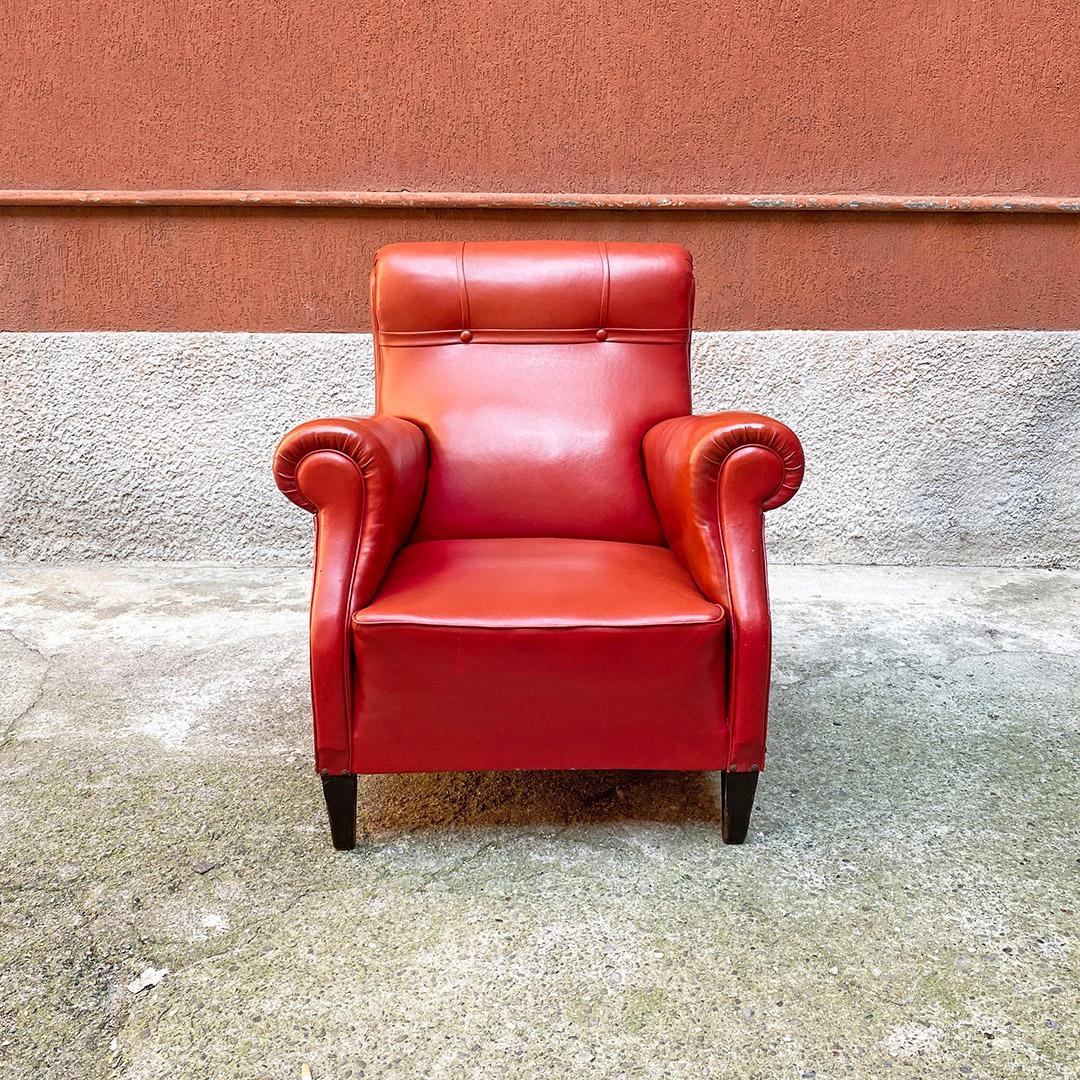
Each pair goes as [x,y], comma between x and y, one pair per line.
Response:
[539,654]
[712,478]
[534,370]
[532,557]
[363,478]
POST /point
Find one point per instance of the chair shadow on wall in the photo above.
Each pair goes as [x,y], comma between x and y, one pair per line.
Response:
[408,802]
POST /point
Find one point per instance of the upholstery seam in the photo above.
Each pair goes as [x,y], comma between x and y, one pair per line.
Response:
[544,330]
[375,335]
[463,289]
[734,622]
[349,646]
[758,445]
[784,470]
[348,643]
[605,289]
[729,667]
[357,621]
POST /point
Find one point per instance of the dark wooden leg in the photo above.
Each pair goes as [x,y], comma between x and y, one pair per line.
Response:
[737,794]
[340,794]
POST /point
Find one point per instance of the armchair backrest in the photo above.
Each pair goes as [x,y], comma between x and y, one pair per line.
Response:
[534,369]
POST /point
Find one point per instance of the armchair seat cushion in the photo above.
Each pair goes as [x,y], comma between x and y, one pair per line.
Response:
[527,583]
[538,654]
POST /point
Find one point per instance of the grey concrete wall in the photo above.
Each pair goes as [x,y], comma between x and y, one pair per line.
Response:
[949,447]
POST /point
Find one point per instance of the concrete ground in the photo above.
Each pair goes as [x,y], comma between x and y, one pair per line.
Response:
[906,905]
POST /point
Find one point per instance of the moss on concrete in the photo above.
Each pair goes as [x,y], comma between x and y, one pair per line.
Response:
[907,904]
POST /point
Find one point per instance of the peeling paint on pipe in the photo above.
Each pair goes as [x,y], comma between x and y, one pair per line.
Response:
[521,200]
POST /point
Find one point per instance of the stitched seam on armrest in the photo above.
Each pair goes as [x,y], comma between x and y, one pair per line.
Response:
[786,468]
[294,462]
[733,621]
[727,443]
[733,629]
[347,659]
[347,646]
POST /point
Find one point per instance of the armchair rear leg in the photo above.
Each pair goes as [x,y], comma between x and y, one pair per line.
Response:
[737,795]
[340,795]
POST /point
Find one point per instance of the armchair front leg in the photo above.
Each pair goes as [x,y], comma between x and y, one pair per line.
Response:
[363,478]
[712,478]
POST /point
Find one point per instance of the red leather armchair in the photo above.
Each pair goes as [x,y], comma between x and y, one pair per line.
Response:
[532,557]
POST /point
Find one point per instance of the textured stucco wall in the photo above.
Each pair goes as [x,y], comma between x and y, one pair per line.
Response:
[187,269]
[955,97]
[922,447]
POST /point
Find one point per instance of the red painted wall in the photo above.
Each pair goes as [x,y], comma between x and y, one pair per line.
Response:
[170,269]
[972,97]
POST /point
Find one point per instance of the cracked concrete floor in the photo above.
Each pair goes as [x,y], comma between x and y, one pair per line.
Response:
[906,904]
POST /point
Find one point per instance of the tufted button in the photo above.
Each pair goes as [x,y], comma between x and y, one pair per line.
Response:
[601,335]
[466,335]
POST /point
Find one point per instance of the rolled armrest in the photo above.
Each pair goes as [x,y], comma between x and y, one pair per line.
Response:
[685,461]
[712,478]
[363,478]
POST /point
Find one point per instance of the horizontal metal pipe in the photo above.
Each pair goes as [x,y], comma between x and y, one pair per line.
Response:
[517,200]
